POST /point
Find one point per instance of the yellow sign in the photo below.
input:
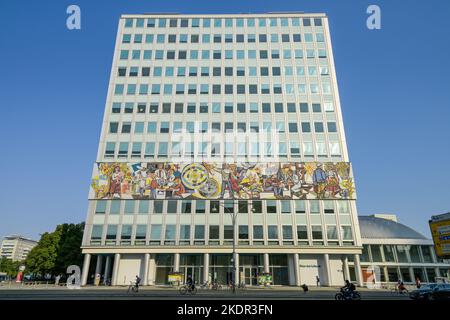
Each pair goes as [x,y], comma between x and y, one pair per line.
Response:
[175,278]
[440,230]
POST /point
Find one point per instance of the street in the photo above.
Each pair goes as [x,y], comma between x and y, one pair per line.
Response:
[120,293]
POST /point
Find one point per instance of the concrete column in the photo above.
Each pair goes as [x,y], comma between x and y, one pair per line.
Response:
[98,269]
[115,269]
[326,268]
[152,270]
[358,272]
[176,262]
[297,270]
[266,262]
[107,269]
[411,274]
[146,266]
[206,267]
[346,269]
[438,272]
[236,265]
[386,274]
[85,272]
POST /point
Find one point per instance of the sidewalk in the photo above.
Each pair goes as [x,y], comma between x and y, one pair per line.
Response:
[50,286]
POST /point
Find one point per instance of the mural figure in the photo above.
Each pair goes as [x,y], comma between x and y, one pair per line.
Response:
[115,183]
[319,181]
[307,180]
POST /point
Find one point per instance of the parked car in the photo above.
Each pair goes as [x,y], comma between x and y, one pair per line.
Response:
[431,291]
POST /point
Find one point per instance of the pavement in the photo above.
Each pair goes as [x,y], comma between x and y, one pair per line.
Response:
[50,292]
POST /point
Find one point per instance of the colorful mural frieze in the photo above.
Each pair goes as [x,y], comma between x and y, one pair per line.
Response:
[166,180]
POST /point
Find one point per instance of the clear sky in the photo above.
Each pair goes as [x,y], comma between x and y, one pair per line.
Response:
[394,87]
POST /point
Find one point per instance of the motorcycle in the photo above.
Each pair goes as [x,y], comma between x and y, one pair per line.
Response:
[347,295]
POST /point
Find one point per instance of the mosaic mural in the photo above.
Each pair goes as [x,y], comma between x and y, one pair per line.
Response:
[166,180]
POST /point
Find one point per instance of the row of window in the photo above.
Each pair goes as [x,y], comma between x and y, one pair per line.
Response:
[228,127]
[170,89]
[219,71]
[218,150]
[221,22]
[217,232]
[220,54]
[219,38]
[398,253]
[217,107]
[200,206]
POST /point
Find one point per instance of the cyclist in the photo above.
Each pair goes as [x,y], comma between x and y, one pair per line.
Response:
[138,282]
[190,283]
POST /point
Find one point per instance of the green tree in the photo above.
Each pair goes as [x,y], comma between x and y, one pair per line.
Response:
[57,250]
[11,268]
[69,247]
[42,258]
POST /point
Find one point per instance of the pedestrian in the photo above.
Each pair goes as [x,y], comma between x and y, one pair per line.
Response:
[318,281]
[57,278]
[418,284]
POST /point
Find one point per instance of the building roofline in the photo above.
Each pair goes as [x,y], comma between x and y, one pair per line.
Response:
[214,15]
[15,236]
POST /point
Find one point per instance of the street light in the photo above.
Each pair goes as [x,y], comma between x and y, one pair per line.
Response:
[233,221]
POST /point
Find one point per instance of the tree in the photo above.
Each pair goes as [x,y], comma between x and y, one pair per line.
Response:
[11,268]
[69,247]
[57,250]
[42,258]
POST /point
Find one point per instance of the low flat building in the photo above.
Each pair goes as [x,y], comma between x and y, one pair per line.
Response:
[400,253]
[16,247]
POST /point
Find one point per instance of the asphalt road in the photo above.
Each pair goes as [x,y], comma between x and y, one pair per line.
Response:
[172,294]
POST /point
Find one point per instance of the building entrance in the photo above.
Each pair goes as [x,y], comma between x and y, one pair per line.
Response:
[248,275]
[194,272]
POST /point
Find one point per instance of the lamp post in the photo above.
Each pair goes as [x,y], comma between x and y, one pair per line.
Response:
[233,222]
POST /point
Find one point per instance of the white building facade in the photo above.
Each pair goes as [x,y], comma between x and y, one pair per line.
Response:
[215,117]
[16,247]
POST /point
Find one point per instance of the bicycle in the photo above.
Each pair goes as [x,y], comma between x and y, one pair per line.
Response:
[187,289]
[215,286]
[133,287]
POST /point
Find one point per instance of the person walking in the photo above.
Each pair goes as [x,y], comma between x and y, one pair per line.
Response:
[418,284]
[57,278]
[318,281]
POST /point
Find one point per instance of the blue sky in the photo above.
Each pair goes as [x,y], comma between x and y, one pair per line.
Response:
[394,87]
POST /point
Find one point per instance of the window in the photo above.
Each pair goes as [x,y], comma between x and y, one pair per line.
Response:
[272,232]
[243,232]
[287,232]
[155,232]
[331,126]
[258,232]
[346,232]
[126,232]
[285,206]
[100,207]
[97,231]
[271,206]
[111,232]
[199,232]
[214,232]
[228,232]
[318,127]
[293,127]
[316,232]
[302,232]
[332,233]
[185,232]
[170,232]
[200,206]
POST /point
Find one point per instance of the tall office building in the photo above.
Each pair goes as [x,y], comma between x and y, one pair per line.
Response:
[16,247]
[223,131]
